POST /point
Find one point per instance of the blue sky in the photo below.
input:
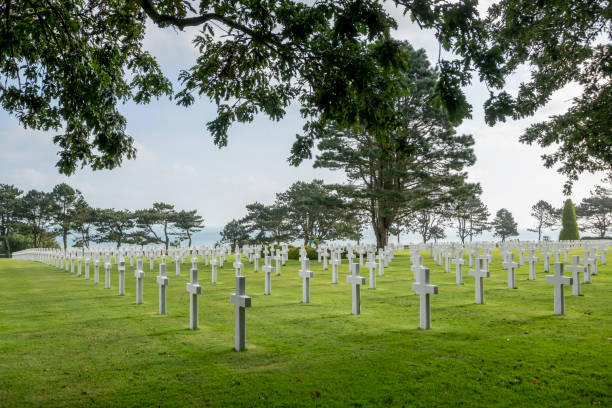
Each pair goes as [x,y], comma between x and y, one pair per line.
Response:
[178,163]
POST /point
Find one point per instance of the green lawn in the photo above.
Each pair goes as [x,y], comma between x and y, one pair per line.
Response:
[67,342]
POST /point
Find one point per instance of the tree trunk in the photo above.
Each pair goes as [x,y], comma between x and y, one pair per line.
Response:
[382,235]
[7,245]
[65,238]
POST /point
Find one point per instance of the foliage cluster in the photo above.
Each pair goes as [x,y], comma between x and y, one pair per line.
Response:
[37,217]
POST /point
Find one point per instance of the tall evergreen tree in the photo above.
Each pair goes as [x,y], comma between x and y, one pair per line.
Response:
[471,217]
[188,222]
[235,234]
[595,211]
[415,162]
[9,214]
[569,226]
[504,225]
[316,213]
[83,218]
[113,226]
[161,215]
[38,210]
[267,223]
[65,198]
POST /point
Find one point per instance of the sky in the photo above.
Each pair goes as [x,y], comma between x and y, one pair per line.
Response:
[178,163]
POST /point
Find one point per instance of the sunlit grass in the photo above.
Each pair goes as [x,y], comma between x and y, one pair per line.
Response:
[67,342]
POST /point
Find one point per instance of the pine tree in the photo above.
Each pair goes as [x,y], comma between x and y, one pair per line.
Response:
[569,230]
[504,225]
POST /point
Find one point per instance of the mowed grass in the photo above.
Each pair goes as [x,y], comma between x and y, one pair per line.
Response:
[67,342]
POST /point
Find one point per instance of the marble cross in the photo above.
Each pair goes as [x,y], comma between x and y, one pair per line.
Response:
[194,289]
[306,274]
[177,265]
[511,266]
[447,257]
[325,254]
[139,275]
[356,281]
[256,261]
[559,280]
[458,261]
[381,267]
[479,272]
[532,260]
[547,255]
[213,270]
[575,268]
[87,268]
[241,301]
[121,270]
[79,266]
[371,264]
[238,265]
[424,289]
[602,256]
[589,267]
[334,262]
[278,258]
[107,268]
[417,264]
[96,270]
[267,269]
[162,281]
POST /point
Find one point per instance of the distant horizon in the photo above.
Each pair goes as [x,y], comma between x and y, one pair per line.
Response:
[209,236]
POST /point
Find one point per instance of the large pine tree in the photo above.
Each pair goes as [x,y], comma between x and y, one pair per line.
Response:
[415,163]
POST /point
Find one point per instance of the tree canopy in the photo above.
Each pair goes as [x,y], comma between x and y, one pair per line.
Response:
[546,216]
[504,225]
[414,163]
[595,211]
[66,66]
[569,226]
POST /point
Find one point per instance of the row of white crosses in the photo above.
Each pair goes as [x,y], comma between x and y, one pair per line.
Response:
[239,299]
[422,287]
[480,271]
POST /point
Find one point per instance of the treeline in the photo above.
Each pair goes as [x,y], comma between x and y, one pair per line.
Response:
[309,212]
[315,212]
[37,218]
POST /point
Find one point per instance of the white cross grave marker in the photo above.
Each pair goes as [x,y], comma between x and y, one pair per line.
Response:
[96,270]
[511,266]
[139,275]
[532,260]
[238,265]
[424,289]
[559,280]
[306,274]
[267,268]
[575,268]
[194,289]
[162,281]
[241,301]
[458,261]
[479,272]
[356,281]
[121,270]
[107,267]
[371,264]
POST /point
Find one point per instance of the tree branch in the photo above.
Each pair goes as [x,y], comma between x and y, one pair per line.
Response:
[164,20]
